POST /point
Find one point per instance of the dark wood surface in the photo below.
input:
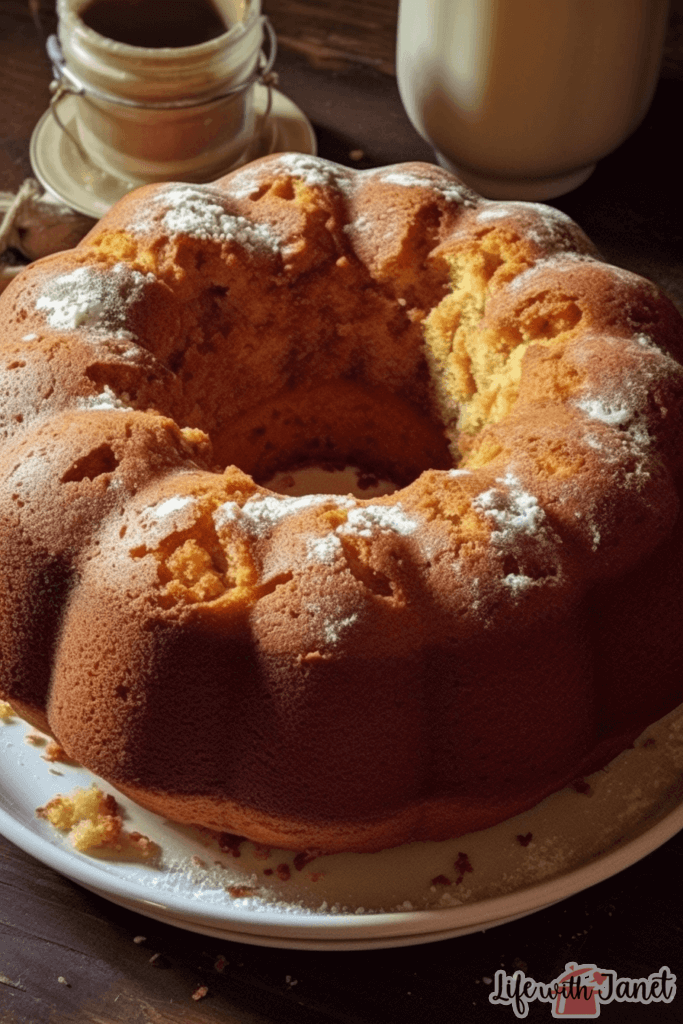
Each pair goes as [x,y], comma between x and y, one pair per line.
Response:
[336,62]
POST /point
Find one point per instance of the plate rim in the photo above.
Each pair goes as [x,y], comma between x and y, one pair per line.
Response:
[334,944]
[317,926]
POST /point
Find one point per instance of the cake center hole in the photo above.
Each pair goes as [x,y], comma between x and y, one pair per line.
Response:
[330,480]
[300,440]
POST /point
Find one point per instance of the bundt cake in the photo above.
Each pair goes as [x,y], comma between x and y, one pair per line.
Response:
[330,671]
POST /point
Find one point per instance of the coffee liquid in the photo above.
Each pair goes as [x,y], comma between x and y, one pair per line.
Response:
[155,23]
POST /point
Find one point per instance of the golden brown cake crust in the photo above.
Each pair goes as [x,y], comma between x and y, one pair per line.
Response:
[329,671]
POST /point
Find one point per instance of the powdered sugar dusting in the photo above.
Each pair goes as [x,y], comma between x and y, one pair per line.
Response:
[97,301]
[334,628]
[619,412]
[593,530]
[543,224]
[360,224]
[517,582]
[513,511]
[262,513]
[162,518]
[495,211]
[564,262]
[516,515]
[612,415]
[323,549]
[548,215]
[107,401]
[520,529]
[314,171]
[169,506]
[452,190]
[364,521]
[197,212]
[246,183]
[311,170]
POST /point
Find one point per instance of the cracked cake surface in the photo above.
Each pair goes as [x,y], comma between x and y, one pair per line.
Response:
[324,670]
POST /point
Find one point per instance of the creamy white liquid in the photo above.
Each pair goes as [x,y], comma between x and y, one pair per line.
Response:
[528,88]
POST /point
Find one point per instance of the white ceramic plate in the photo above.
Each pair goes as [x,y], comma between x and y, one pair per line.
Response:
[361,901]
[63,170]
[334,944]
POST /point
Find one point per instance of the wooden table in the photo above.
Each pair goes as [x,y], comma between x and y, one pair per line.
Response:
[336,62]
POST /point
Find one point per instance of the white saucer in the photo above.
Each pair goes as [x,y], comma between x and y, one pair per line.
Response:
[362,901]
[62,169]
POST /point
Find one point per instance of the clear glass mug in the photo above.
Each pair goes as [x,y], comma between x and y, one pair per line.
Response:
[520,98]
[151,114]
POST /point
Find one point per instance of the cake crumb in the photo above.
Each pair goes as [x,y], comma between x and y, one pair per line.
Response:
[6,711]
[139,939]
[462,866]
[238,892]
[158,960]
[92,820]
[89,816]
[143,845]
[89,833]
[304,858]
[35,738]
[261,852]
[4,980]
[55,752]
[200,992]
[63,981]
[228,842]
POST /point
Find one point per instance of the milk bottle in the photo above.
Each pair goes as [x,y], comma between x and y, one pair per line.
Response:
[522,97]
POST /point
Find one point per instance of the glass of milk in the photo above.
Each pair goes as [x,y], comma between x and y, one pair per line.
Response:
[520,98]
